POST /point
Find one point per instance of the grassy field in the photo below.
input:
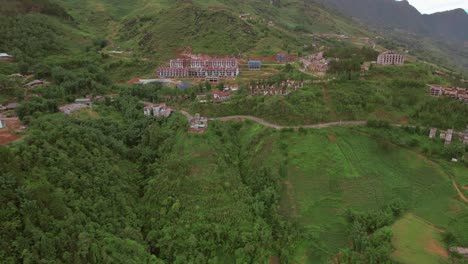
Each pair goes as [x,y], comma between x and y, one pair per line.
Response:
[416,241]
[332,170]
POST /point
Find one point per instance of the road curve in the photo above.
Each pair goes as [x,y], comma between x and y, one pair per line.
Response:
[275,126]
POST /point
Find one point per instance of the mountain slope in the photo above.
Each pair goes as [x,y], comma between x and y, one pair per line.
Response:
[401,15]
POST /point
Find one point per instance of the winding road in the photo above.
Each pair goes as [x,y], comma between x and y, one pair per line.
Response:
[316,126]
[279,127]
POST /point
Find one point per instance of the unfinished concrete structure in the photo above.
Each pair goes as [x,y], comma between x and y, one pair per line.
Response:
[282,57]
[432,133]
[157,110]
[455,93]
[221,96]
[465,136]
[448,137]
[391,58]
[70,108]
[198,124]
[200,68]
[283,88]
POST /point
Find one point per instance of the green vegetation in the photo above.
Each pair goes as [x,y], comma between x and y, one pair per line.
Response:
[417,241]
[334,170]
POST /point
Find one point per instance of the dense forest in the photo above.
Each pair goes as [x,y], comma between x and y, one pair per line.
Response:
[107,191]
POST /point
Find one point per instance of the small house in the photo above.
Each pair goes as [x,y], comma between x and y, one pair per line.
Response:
[161,110]
[459,250]
[465,137]
[147,110]
[448,137]
[35,83]
[70,108]
[198,124]
[282,57]
[84,101]
[432,133]
[6,57]
[201,98]
[221,96]
[254,65]
[11,106]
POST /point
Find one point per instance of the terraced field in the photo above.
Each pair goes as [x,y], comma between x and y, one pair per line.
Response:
[331,170]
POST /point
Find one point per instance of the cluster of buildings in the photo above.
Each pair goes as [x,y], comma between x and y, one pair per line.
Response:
[157,110]
[198,124]
[390,58]
[449,135]
[283,88]
[210,69]
[456,93]
[315,62]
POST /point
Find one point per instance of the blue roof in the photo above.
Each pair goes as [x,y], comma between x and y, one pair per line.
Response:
[184,85]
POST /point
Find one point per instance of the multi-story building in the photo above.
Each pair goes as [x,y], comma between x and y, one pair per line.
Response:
[391,58]
[200,68]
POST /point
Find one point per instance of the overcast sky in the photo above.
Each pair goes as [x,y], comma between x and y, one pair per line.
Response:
[432,6]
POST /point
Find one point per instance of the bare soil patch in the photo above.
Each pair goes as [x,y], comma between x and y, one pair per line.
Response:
[7,137]
[332,138]
[435,248]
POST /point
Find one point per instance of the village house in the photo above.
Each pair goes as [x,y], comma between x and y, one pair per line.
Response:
[271,23]
[198,124]
[282,57]
[6,57]
[465,136]
[157,110]
[84,101]
[35,83]
[460,250]
[200,68]
[283,88]
[455,93]
[202,98]
[70,108]
[254,65]
[432,133]
[448,137]
[390,58]
[221,96]
[315,62]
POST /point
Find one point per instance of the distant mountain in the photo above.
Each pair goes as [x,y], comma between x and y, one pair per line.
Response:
[450,25]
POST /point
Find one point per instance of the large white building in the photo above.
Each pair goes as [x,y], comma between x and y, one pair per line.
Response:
[391,58]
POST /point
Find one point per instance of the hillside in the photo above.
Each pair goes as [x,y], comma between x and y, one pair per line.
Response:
[323,157]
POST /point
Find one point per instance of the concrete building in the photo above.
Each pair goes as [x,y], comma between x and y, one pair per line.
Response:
[157,110]
[70,108]
[448,137]
[460,250]
[465,136]
[200,68]
[432,133]
[84,101]
[391,58]
[221,96]
[254,65]
[198,124]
